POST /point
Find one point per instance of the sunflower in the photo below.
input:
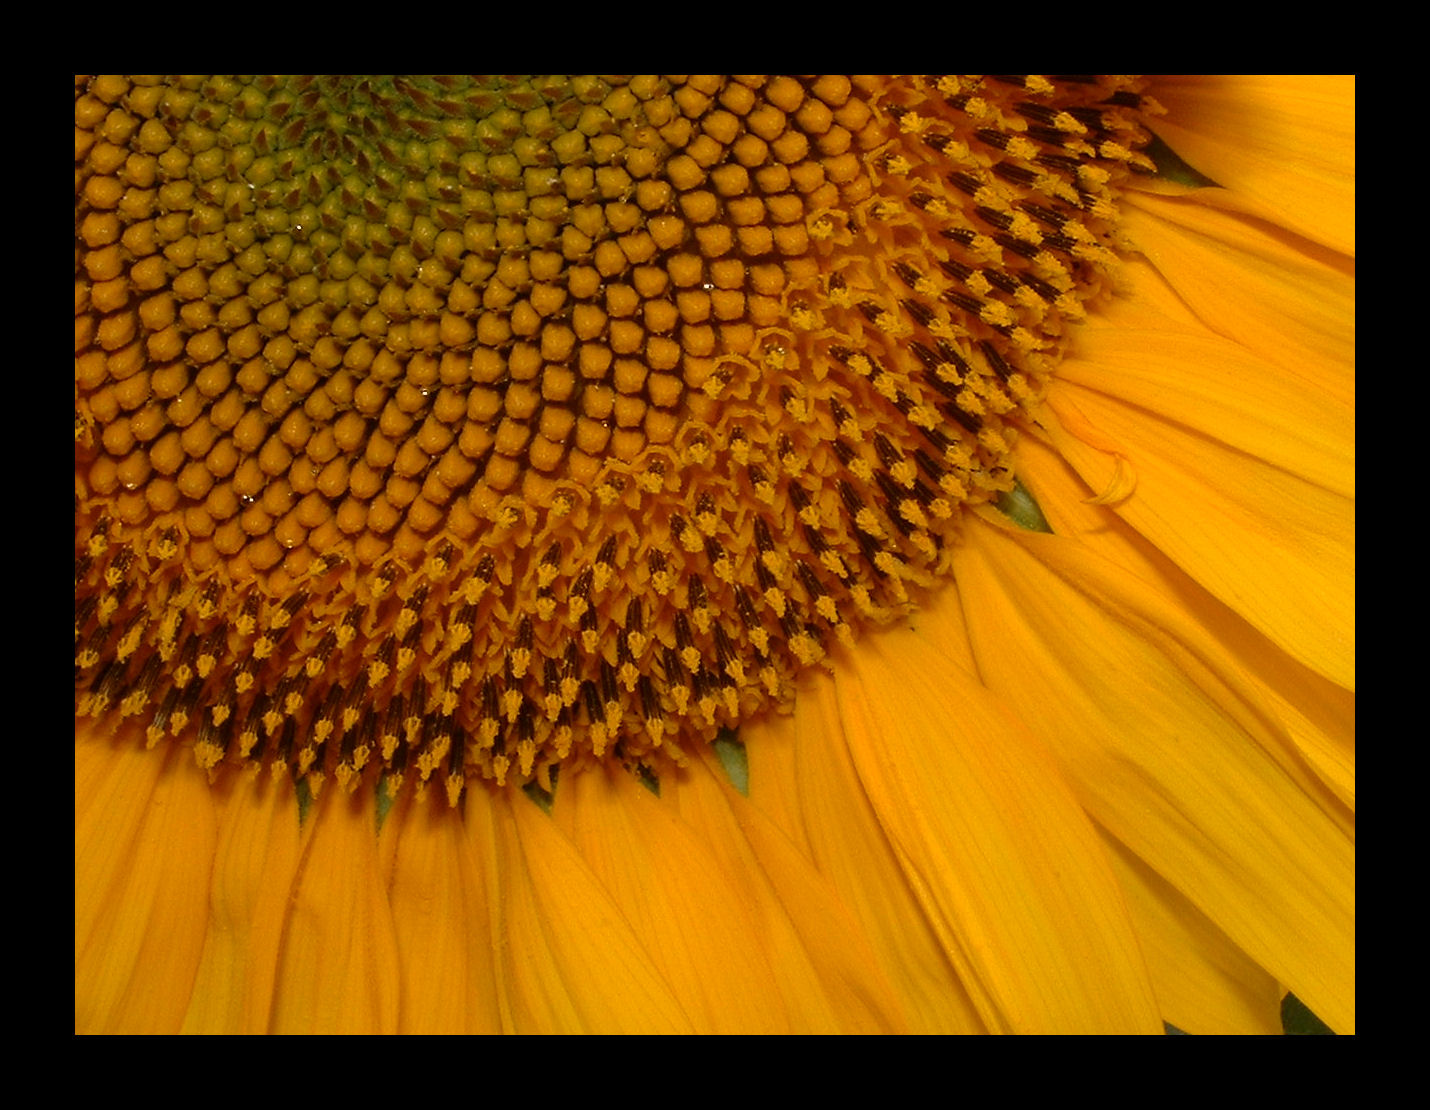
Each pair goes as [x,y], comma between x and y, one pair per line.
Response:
[714,554]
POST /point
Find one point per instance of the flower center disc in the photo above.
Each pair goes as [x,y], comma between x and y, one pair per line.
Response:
[468,426]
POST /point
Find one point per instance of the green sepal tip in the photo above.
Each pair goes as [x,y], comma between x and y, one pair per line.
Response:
[385,800]
[544,799]
[1172,167]
[304,794]
[733,758]
[1022,508]
[648,779]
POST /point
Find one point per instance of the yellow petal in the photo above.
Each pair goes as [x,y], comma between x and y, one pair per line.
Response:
[1205,984]
[144,843]
[819,955]
[254,867]
[686,908]
[442,918]
[571,962]
[338,971]
[1318,715]
[1168,749]
[1274,548]
[1291,304]
[801,776]
[1005,863]
[1219,484]
[1283,146]
[1151,352]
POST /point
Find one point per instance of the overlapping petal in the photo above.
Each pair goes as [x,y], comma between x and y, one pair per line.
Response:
[338,969]
[997,852]
[1168,748]
[1282,147]
[440,898]
[570,960]
[255,864]
[819,951]
[1189,447]
[1318,716]
[802,777]
[140,905]
[1205,984]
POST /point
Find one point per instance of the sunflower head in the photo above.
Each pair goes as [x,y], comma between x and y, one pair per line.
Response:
[453,429]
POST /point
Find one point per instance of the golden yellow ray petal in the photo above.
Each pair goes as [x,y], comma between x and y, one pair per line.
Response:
[1318,715]
[703,939]
[1168,748]
[144,844]
[338,968]
[1278,550]
[1283,146]
[1171,422]
[1205,984]
[1291,303]
[1151,352]
[818,953]
[441,915]
[254,867]
[1008,868]
[802,778]
[571,963]
[801,775]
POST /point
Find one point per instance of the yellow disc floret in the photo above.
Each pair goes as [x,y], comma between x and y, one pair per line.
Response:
[453,428]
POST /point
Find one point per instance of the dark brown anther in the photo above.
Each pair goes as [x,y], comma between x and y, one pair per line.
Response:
[724,650]
[995,360]
[965,183]
[610,689]
[809,580]
[745,608]
[852,501]
[456,748]
[964,301]
[217,737]
[907,274]
[888,455]
[591,699]
[650,704]
[683,638]
[253,737]
[918,310]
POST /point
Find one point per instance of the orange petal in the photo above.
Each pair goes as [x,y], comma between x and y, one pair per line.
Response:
[1205,984]
[801,776]
[1283,146]
[1291,304]
[1318,715]
[1258,516]
[1149,350]
[703,938]
[338,971]
[570,962]
[1168,749]
[254,868]
[144,848]
[819,955]
[1005,863]
[442,918]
